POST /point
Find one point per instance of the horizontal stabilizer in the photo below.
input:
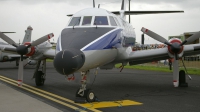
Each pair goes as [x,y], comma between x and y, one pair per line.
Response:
[145,12]
[8,32]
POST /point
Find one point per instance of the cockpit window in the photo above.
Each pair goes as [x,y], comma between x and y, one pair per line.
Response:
[87,20]
[75,21]
[112,21]
[101,20]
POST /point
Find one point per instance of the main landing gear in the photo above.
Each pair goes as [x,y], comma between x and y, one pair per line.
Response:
[17,62]
[182,79]
[40,75]
[83,94]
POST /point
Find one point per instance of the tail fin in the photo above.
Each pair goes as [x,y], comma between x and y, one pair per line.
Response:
[123,9]
[27,37]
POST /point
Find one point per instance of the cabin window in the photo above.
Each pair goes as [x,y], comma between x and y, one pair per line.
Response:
[112,21]
[87,20]
[101,20]
[75,21]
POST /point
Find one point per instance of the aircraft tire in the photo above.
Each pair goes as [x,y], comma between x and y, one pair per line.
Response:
[89,95]
[39,80]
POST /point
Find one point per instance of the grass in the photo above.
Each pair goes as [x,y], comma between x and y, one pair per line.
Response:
[49,60]
[154,67]
[193,71]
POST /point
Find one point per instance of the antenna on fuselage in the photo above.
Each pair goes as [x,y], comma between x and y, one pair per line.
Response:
[142,39]
[93,4]
[129,10]
[122,7]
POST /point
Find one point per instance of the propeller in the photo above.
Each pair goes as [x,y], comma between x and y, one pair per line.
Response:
[174,48]
[175,72]
[7,39]
[23,50]
[191,38]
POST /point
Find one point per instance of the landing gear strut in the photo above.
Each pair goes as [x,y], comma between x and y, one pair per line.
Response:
[17,62]
[83,94]
[182,79]
[40,75]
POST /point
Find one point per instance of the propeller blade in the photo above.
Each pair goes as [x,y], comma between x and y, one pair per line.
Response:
[7,39]
[20,72]
[175,73]
[191,38]
[155,36]
[41,40]
[176,56]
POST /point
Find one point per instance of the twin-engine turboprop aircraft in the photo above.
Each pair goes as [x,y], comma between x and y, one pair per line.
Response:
[35,53]
[7,56]
[95,37]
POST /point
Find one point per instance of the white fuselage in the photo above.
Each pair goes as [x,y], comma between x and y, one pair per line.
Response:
[102,36]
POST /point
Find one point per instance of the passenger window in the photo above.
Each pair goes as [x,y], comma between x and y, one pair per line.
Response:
[101,20]
[87,20]
[75,21]
[112,21]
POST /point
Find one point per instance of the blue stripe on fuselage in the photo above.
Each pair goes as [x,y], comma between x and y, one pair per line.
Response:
[106,42]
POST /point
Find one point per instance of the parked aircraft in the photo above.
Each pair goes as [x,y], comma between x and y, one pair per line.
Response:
[32,51]
[97,38]
[7,57]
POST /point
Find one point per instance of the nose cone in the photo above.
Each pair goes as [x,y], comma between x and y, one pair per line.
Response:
[69,61]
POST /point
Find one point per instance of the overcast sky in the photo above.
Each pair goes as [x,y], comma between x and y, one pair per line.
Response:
[49,16]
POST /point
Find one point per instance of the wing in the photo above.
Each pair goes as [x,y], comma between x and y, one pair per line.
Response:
[50,53]
[144,56]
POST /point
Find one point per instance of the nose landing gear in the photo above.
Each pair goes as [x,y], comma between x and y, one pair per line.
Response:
[84,95]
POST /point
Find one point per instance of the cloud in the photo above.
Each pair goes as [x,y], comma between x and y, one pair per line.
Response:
[46,16]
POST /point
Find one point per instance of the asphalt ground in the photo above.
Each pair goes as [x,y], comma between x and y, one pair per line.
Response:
[145,91]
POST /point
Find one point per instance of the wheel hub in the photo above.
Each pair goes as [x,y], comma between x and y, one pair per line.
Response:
[91,95]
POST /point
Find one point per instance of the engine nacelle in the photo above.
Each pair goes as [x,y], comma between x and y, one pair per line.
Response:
[32,62]
[6,58]
[69,61]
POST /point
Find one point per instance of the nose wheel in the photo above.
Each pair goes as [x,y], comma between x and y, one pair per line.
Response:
[88,96]
[84,95]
